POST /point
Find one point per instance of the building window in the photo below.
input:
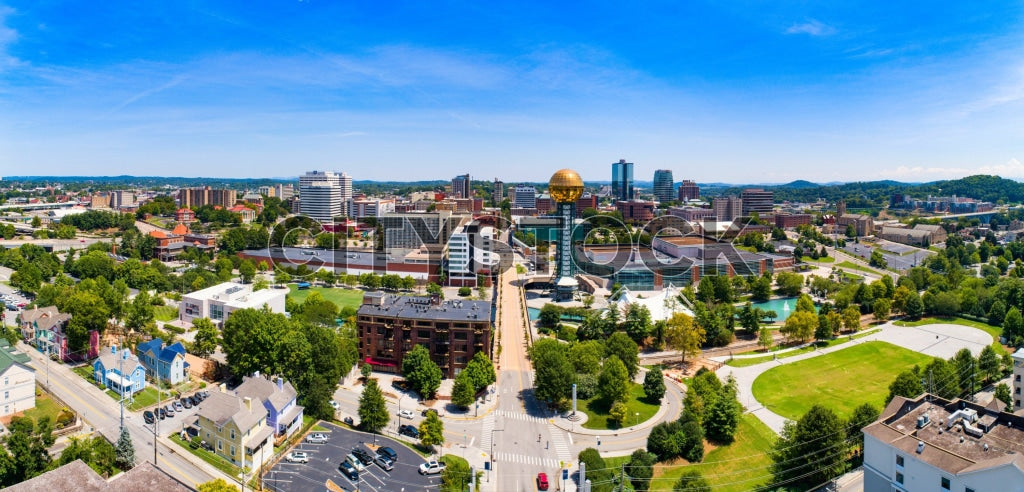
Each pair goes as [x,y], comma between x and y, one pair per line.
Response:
[220,445]
[232,450]
[1017,378]
[422,333]
[899,478]
[899,461]
[7,380]
[232,437]
[968,489]
[1016,390]
[7,395]
[945,483]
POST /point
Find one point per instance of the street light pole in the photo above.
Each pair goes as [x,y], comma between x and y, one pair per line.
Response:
[493,461]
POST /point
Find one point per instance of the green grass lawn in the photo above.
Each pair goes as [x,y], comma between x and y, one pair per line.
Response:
[994,331]
[823,259]
[45,407]
[597,410]
[339,296]
[841,380]
[849,265]
[740,466]
[145,398]
[84,371]
[744,362]
[165,313]
[211,458]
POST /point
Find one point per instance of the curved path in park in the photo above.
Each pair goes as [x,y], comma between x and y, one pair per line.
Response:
[939,340]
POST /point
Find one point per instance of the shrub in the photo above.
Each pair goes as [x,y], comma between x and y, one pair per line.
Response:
[619,412]
[465,291]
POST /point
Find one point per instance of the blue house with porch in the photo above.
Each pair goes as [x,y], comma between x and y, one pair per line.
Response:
[120,371]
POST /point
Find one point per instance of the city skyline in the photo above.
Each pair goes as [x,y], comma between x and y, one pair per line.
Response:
[714,93]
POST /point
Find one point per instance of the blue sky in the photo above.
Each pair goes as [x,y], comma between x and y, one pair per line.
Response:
[739,92]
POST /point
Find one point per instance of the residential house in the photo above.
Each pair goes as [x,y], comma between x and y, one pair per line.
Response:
[17,381]
[165,363]
[79,477]
[236,427]
[284,416]
[45,329]
[121,372]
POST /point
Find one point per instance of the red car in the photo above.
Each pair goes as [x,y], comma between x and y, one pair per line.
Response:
[542,481]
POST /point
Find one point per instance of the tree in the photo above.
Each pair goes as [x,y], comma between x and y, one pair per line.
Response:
[140,313]
[432,430]
[125,450]
[618,413]
[682,334]
[722,415]
[613,383]
[586,356]
[27,444]
[942,379]
[805,303]
[456,475]
[1013,324]
[373,413]
[914,307]
[366,371]
[761,288]
[640,468]
[881,309]
[661,442]
[88,312]
[597,470]
[251,338]
[207,337]
[638,322]
[789,284]
[907,384]
[997,312]
[553,372]
[246,270]
[765,339]
[851,318]
[877,259]
[692,481]
[988,364]
[810,451]
[462,392]
[654,386]
[620,345]
[481,371]
[1002,393]
[863,415]
[218,485]
[965,366]
[422,373]
[800,326]
[550,315]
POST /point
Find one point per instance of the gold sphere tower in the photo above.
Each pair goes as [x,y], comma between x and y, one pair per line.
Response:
[565,186]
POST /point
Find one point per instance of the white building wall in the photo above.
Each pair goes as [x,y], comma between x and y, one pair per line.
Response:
[1018,380]
[17,389]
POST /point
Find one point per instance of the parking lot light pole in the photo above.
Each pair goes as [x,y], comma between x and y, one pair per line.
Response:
[493,461]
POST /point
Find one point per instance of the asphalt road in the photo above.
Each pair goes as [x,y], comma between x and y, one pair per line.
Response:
[325,458]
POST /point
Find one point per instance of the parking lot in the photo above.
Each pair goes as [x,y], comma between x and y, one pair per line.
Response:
[171,425]
[325,458]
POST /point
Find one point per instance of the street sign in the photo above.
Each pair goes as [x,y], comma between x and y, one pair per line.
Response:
[565,474]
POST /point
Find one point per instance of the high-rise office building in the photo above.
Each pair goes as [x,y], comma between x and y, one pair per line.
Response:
[688,190]
[663,185]
[122,199]
[728,208]
[525,197]
[498,193]
[461,187]
[322,194]
[757,200]
[622,180]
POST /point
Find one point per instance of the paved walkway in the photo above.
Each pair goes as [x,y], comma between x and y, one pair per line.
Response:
[939,340]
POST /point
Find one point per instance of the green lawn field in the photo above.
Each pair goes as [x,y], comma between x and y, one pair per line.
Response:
[597,410]
[841,380]
[741,466]
[340,297]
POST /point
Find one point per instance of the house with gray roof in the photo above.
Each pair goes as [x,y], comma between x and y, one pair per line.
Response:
[236,427]
[279,398]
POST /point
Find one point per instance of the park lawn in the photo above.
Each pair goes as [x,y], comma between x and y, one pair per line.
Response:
[994,331]
[744,362]
[165,313]
[45,407]
[339,296]
[853,266]
[597,410]
[822,259]
[740,466]
[211,458]
[840,380]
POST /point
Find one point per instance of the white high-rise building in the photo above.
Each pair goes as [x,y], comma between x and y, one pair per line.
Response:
[525,197]
[322,194]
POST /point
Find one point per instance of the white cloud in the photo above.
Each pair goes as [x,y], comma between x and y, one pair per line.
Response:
[7,37]
[812,27]
[1011,169]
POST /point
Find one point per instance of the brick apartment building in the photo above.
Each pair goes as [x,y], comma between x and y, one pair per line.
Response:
[453,331]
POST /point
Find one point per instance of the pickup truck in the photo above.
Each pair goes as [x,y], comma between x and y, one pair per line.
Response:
[431,468]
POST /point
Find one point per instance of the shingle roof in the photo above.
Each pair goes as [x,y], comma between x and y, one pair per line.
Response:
[146,477]
[260,389]
[75,476]
[223,407]
[44,317]
[112,361]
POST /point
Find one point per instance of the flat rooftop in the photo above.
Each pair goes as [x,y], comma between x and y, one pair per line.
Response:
[419,307]
[951,448]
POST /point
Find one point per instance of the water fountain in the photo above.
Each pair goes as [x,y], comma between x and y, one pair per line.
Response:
[785,306]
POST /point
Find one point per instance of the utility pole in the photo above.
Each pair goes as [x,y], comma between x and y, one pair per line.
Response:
[156,419]
[121,371]
[622,478]
[583,476]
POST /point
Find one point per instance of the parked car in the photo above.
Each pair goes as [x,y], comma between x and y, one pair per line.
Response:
[388,453]
[351,458]
[542,481]
[297,457]
[316,438]
[185,402]
[178,407]
[408,430]
[195,399]
[383,462]
[432,468]
[350,421]
[364,456]
[335,405]
[160,412]
[405,414]
[169,409]
[349,471]
[148,417]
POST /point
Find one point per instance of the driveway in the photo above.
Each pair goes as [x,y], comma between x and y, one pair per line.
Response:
[325,458]
[938,340]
